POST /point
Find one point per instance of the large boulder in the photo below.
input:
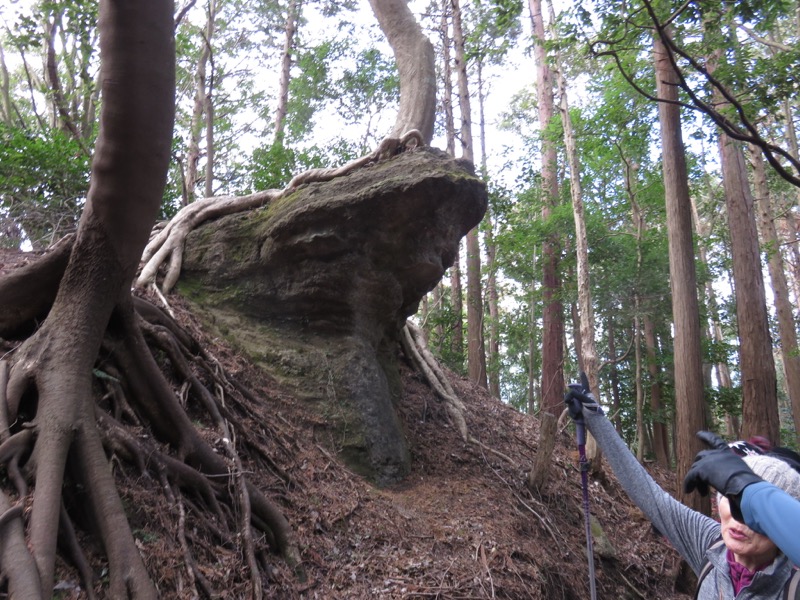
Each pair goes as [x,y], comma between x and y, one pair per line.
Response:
[316,287]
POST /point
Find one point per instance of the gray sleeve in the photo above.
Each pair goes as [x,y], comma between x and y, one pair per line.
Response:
[690,532]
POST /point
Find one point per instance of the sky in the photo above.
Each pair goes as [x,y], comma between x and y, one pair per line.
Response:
[504,81]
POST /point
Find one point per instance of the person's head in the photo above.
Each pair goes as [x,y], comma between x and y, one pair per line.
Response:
[749,548]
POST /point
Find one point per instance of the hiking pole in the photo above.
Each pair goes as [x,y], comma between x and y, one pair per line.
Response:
[580,431]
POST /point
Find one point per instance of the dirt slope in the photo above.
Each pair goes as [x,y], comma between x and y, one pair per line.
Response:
[461,526]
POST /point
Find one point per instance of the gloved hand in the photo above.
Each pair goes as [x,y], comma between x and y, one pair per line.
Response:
[580,398]
[712,440]
[721,469]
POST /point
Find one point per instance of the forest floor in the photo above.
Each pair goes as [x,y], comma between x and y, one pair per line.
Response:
[462,525]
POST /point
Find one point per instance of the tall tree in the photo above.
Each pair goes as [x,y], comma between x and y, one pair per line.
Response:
[476,349]
[588,349]
[292,16]
[456,294]
[202,121]
[689,405]
[759,383]
[552,314]
[780,289]
[128,175]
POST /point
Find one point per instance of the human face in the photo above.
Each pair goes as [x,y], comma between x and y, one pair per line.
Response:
[750,549]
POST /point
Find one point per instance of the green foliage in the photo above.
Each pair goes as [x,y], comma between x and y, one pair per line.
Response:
[725,401]
[369,88]
[492,29]
[440,323]
[273,166]
[310,88]
[516,334]
[44,178]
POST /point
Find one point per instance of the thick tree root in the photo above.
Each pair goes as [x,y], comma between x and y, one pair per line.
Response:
[55,437]
[416,349]
[202,476]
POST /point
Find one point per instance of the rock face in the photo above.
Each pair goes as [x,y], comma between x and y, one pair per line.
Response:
[317,286]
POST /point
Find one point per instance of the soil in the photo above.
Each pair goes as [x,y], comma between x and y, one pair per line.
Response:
[462,525]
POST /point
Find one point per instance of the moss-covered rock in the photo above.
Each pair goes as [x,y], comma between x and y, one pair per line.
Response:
[317,286]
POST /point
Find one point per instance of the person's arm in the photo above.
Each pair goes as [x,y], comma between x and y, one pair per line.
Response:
[772,512]
[690,532]
[763,507]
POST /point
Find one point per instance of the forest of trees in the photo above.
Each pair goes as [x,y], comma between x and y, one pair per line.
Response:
[643,220]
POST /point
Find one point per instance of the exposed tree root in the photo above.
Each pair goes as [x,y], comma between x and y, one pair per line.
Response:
[28,292]
[168,244]
[203,472]
[193,414]
[417,350]
[68,541]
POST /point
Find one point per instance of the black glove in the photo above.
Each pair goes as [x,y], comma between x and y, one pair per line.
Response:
[724,471]
[712,440]
[580,398]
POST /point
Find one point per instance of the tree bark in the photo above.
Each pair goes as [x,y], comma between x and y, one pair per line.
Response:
[533,343]
[200,118]
[660,431]
[756,363]
[780,289]
[689,405]
[540,471]
[447,76]
[552,313]
[128,177]
[494,312]
[286,67]
[759,383]
[414,55]
[476,349]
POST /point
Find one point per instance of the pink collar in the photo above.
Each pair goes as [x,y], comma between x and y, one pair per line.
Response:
[741,576]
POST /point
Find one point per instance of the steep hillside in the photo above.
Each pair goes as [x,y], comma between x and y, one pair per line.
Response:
[461,525]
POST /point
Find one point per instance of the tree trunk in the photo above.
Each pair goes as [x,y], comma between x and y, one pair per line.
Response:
[660,431]
[552,313]
[208,188]
[457,339]
[5,98]
[756,363]
[200,117]
[712,307]
[456,298]
[759,383]
[689,405]
[780,289]
[127,183]
[476,351]
[286,67]
[637,341]
[414,55]
[611,333]
[494,312]
[492,296]
[533,344]
[447,75]
[540,471]
[588,349]
[791,222]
